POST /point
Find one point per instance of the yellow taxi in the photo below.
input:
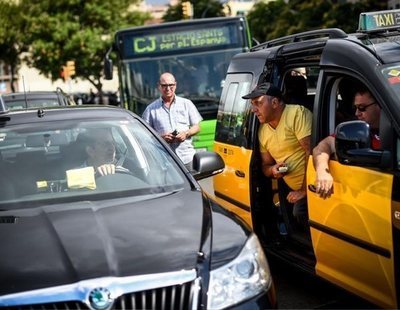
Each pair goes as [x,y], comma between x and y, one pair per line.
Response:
[353,237]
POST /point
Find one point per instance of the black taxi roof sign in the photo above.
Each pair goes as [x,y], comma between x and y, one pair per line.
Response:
[378,21]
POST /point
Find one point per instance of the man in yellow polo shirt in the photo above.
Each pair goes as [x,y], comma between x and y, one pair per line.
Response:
[284,137]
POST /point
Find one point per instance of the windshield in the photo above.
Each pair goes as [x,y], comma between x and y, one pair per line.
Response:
[62,161]
[199,78]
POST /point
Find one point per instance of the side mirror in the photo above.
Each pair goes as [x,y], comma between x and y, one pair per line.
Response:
[108,66]
[353,146]
[206,164]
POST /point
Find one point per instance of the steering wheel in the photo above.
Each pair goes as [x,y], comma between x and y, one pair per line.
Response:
[120,180]
[122,170]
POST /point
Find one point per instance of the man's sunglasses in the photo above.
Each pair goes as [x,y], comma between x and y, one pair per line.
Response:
[167,85]
[363,108]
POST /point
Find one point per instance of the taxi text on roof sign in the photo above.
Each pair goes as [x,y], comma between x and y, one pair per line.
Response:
[378,21]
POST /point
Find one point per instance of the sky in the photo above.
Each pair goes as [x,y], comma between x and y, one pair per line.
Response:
[157,1]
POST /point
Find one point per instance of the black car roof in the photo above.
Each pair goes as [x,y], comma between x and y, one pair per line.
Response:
[384,45]
[60,113]
[32,94]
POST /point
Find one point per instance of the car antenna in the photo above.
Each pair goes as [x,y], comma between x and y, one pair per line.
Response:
[26,99]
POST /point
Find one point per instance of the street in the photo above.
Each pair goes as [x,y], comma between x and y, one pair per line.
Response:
[297,290]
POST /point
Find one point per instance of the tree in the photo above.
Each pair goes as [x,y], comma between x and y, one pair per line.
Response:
[12,36]
[263,18]
[82,31]
[277,18]
[201,9]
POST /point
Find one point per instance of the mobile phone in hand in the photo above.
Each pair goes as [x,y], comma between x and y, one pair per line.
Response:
[283,169]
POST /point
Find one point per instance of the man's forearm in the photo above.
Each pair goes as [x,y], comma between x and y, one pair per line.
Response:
[267,170]
[192,131]
[322,152]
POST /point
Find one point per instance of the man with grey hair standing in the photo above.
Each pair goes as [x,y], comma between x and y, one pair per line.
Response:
[175,118]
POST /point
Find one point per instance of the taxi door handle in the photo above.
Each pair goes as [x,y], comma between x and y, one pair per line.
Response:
[312,188]
[240,174]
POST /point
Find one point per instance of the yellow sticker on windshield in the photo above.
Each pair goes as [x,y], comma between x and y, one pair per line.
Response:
[81,178]
[41,184]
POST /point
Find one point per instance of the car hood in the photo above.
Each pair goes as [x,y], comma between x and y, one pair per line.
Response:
[65,243]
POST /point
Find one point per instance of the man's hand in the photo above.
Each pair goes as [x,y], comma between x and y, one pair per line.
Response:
[323,183]
[180,137]
[168,137]
[175,136]
[106,169]
[295,196]
[279,170]
[321,155]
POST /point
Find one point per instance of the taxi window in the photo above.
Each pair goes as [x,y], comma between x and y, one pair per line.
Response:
[234,112]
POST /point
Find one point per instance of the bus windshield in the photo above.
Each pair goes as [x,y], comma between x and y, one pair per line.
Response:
[196,52]
[199,77]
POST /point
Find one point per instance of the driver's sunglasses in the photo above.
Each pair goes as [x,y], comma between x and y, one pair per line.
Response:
[167,85]
[363,108]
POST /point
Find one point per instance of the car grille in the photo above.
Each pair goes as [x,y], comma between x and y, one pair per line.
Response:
[173,290]
[172,297]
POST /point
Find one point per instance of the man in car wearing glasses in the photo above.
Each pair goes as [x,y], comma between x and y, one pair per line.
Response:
[101,152]
[367,110]
[175,118]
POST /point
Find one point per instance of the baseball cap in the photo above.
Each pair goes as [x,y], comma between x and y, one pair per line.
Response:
[264,89]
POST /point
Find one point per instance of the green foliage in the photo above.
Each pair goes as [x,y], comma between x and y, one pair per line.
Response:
[201,9]
[12,36]
[76,30]
[276,18]
[263,19]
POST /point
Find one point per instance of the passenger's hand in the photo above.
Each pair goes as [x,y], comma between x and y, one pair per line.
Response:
[275,170]
[106,169]
[295,196]
[324,183]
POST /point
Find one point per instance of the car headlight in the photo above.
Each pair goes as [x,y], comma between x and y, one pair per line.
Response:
[246,276]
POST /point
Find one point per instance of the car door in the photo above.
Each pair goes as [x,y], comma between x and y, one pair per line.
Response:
[232,186]
[352,230]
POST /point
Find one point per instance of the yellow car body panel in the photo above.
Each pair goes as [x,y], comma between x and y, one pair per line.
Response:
[234,183]
[360,256]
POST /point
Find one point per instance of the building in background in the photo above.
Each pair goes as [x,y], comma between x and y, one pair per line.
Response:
[241,7]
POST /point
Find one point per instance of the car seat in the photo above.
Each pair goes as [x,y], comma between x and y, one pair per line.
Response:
[296,91]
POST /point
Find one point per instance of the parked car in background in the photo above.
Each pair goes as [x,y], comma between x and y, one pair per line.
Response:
[144,237]
[37,99]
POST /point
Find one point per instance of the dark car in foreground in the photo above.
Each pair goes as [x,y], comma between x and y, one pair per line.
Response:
[36,99]
[145,237]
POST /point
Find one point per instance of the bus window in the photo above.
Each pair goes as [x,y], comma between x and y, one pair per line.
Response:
[196,52]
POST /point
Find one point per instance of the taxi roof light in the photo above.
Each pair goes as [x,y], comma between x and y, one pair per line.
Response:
[379,21]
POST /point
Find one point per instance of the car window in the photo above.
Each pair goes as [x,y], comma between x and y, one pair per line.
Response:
[234,111]
[32,103]
[55,160]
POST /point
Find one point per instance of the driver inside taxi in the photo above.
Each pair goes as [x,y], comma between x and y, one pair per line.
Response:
[100,150]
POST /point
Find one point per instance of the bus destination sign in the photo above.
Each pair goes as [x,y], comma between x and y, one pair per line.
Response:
[168,42]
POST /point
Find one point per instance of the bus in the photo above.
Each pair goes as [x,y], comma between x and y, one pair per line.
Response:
[196,52]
